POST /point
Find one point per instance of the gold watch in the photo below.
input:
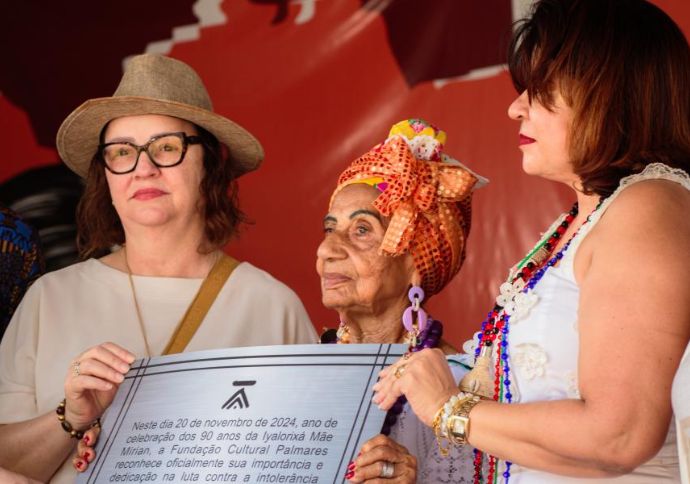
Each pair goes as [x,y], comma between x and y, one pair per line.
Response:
[458,427]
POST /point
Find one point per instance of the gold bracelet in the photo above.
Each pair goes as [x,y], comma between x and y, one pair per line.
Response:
[458,423]
[436,426]
[67,427]
[440,423]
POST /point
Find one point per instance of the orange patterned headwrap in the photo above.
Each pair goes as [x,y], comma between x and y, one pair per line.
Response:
[427,196]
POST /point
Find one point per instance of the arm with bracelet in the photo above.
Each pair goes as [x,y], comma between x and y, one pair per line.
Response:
[575,360]
[41,444]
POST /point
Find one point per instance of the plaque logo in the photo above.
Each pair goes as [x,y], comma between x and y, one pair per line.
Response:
[239,398]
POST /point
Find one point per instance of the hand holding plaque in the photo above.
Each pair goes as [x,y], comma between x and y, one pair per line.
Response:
[262,414]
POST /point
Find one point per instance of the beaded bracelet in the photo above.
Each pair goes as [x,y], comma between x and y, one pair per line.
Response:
[67,427]
[438,432]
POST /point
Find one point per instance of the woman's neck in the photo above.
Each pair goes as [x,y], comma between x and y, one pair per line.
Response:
[160,252]
[585,206]
[587,203]
[368,326]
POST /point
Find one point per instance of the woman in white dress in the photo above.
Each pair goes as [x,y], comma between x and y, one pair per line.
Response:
[574,365]
[158,164]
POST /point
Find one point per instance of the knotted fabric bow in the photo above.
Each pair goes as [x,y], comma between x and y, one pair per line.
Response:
[428,201]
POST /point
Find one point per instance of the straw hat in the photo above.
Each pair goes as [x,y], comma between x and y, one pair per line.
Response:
[153,84]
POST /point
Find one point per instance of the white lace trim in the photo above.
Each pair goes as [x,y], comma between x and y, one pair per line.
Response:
[653,171]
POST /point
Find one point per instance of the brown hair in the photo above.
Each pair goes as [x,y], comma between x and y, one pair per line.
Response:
[624,68]
[99,227]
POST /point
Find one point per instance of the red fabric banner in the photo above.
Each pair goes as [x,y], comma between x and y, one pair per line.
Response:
[319,83]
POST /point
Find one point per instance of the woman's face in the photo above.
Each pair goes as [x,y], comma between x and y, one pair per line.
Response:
[149,195]
[544,137]
[354,276]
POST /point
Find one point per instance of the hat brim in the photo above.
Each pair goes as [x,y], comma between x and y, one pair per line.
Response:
[78,136]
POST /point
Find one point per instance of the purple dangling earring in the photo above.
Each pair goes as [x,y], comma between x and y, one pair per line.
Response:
[416,296]
[428,330]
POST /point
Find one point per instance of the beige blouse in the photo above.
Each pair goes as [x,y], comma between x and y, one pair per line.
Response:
[67,311]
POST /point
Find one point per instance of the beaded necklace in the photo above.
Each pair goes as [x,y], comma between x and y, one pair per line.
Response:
[429,338]
[515,299]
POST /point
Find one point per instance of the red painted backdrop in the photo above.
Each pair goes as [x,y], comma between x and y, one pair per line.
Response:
[318,82]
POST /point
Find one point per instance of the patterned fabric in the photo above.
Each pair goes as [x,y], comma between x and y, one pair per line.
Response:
[420,441]
[426,194]
[20,263]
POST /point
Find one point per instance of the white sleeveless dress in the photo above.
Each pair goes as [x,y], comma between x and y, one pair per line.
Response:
[544,349]
[681,408]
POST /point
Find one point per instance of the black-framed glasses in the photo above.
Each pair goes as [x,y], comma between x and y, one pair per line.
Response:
[164,150]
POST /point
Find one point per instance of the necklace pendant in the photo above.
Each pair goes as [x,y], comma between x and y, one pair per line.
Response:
[411,339]
[540,256]
[343,334]
[478,381]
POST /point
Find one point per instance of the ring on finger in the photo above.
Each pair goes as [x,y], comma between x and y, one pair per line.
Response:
[387,469]
[75,368]
[399,371]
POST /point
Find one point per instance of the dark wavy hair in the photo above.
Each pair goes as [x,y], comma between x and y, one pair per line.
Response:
[99,227]
[623,66]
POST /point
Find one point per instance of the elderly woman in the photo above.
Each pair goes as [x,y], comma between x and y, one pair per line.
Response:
[394,236]
[575,362]
[158,164]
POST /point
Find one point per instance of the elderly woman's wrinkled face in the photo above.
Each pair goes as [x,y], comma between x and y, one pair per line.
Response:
[354,275]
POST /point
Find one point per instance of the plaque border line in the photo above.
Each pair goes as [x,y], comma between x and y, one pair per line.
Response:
[225,367]
[143,370]
[129,397]
[376,365]
[303,355]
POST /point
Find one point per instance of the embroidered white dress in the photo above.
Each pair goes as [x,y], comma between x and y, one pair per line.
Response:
[681,407]
[420,441]
[544,349]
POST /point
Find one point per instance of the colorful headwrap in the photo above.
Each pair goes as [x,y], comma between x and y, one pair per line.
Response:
[426,194]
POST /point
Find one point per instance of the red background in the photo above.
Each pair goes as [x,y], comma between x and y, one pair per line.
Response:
[316,94]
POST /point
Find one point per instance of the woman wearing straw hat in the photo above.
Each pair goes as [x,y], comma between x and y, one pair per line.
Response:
[158,163]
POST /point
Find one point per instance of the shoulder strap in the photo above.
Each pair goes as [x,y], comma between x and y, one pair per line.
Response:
[196,312]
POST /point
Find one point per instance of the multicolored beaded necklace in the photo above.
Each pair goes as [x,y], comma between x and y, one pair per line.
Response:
[495,329]
[430,337]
